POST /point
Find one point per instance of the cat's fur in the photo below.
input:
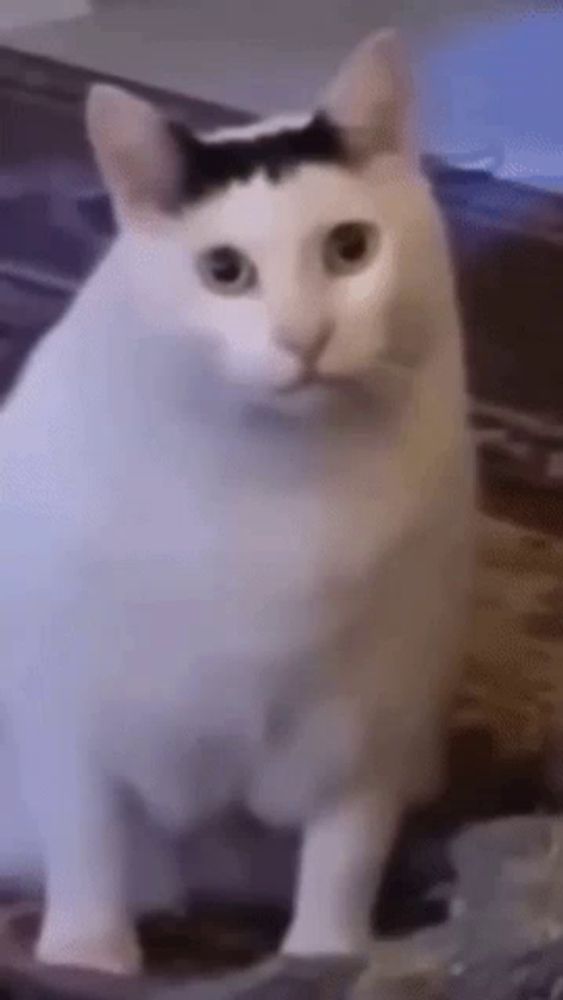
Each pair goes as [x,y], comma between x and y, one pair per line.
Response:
[215,587]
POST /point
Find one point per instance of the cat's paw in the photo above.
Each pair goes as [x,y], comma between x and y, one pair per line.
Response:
[117,954]
[319,942]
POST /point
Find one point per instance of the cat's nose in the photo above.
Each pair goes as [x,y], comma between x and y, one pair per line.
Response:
[306,345]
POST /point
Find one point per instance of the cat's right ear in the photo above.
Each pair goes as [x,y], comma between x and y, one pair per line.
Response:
[135,151]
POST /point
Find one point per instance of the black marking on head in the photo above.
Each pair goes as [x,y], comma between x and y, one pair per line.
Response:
[212,165]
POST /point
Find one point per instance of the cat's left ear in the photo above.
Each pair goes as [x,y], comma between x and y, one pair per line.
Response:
[371,98]
[135,151]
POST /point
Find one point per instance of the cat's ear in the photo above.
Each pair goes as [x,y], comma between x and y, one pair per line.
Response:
[135,151]
[371,98]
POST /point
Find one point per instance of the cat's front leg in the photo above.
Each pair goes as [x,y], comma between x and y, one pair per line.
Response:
[343,856]
[86,921]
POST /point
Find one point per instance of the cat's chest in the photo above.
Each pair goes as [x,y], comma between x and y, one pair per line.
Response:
[300,527]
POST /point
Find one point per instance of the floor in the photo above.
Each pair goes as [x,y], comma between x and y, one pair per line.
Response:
[487,69]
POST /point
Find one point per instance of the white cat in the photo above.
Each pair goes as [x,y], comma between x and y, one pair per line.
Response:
[236,494]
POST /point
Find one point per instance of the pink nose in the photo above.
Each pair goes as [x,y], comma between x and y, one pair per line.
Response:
[307,346]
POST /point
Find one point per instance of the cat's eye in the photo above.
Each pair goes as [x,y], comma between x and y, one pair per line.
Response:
[227,271]
[349,246]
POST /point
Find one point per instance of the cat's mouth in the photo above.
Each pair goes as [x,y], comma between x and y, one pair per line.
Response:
[308,380]
[313,394]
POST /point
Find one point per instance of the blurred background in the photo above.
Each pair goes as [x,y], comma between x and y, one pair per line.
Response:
[490,72]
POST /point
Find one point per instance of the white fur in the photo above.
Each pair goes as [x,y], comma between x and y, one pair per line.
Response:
[267,126]
[212,592]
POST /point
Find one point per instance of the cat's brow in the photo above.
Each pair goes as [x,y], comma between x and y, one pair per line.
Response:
[213,164]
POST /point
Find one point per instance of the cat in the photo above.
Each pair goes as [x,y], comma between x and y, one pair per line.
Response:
[237,494]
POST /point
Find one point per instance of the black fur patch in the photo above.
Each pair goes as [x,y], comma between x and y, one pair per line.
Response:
[210,166]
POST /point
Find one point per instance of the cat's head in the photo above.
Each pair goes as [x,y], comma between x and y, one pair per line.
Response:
[288,245]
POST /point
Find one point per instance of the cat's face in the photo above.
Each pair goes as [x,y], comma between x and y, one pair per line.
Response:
[281,246]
